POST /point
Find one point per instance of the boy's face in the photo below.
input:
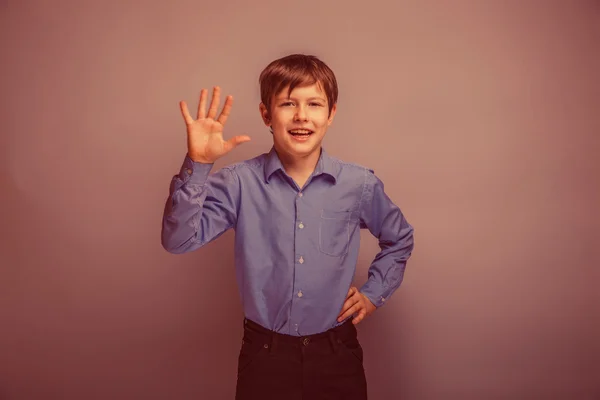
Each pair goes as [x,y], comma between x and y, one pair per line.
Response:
[299,122]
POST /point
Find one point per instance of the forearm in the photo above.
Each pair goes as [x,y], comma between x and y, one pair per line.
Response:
[387,269]
[199,208]
[183,208]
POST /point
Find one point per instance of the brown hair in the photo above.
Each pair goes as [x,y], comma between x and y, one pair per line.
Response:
[297,70]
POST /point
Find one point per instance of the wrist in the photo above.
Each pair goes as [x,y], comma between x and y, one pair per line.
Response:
[199,159]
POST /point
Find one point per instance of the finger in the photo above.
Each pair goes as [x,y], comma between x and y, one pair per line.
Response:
[361,315]
[185,113]
[226,109]
[214,103]
[351,311]
[351,292]
[202,104]
[347,305]
[344,310]
[351,300]
[235,141]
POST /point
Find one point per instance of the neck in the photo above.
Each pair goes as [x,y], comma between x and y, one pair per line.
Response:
[299,168]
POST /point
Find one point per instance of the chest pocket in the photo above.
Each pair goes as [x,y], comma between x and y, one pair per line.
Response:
[334,232]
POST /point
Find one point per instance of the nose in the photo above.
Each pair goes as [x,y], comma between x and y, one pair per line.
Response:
[300,114]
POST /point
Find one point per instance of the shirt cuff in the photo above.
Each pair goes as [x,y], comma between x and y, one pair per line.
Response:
[374,293]
[194,173]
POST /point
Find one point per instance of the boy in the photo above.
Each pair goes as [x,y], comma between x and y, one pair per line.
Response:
[297,213]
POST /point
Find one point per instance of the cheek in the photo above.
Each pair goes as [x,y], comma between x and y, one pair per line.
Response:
[322,122]
[279,119]
[321,118]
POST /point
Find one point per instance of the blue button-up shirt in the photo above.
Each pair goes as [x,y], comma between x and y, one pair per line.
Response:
[295,248]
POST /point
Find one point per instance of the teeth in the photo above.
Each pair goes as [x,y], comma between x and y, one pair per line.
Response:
[301,131]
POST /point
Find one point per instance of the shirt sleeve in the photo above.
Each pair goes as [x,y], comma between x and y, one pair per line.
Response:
[386,222]
[200,207]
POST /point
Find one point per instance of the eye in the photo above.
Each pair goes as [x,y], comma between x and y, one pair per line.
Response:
[315,104]
[287,103]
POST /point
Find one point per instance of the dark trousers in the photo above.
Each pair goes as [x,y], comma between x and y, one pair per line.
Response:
[326,365]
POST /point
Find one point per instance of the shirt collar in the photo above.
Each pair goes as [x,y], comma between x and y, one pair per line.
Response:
[326,165]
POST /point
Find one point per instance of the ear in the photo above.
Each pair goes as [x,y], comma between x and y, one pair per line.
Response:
[332,114]
[264,113]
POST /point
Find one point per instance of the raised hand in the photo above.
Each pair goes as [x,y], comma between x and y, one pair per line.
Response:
[205,133]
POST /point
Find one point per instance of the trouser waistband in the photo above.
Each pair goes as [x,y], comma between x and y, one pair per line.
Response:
[342,332]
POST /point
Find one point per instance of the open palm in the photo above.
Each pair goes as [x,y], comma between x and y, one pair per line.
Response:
[205,133]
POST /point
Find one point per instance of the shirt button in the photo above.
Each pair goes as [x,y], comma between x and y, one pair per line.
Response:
[301,225]
[300,194]
[383,299]
[189,171]
[306,341]
[300,294]
[301,260]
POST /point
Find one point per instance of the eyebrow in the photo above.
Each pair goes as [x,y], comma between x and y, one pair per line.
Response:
[294,98]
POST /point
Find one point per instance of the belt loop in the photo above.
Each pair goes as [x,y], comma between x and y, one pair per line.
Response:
[273,343]
[333,341]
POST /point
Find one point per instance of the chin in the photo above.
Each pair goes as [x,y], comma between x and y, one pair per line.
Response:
[304,149]
[298,149]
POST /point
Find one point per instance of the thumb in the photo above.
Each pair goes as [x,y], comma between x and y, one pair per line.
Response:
[236,140]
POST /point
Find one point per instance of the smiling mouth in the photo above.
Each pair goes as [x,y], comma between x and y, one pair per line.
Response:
[300,132]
